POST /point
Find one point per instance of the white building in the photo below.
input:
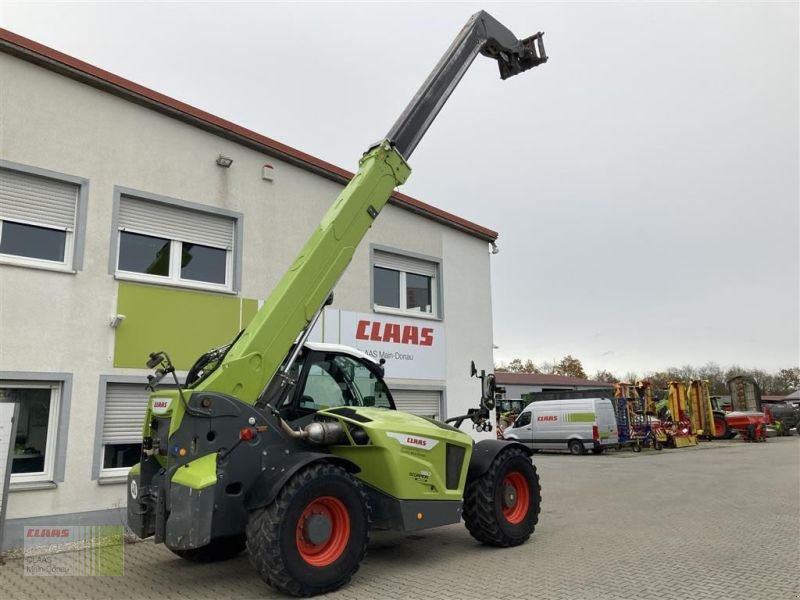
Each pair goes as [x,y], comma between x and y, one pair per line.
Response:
[120,235]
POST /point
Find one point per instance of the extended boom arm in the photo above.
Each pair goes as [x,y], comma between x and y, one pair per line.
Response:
[257,355]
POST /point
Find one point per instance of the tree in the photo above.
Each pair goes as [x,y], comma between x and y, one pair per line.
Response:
[606,376]
[571,367]
[787,380]
[517,366]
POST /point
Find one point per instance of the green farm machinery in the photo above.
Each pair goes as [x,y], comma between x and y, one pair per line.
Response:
[255,452]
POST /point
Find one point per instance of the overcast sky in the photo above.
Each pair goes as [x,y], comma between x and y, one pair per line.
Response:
[644,181]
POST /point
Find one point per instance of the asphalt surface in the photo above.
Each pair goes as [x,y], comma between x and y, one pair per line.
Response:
[718,521]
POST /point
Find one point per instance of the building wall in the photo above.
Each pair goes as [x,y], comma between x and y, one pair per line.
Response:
[59,322]
[516,391]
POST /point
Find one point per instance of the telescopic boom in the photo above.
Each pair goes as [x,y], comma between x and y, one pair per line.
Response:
[286,317]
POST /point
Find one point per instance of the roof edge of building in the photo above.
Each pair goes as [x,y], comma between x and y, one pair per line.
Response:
[64,64]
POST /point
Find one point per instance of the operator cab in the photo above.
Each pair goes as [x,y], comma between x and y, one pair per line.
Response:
[331,375]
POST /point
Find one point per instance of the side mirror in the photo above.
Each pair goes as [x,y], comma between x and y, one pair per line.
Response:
[488,391]
[472,370]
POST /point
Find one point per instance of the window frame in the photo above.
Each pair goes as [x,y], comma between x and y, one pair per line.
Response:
[437,304]
[75,237]
[60,385]
[233,255]
[115,474]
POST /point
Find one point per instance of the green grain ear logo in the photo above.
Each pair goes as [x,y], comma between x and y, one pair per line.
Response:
[579,417]
[82,551]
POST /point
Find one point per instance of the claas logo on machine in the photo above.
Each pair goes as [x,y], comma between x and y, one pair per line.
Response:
[547,418]
[375,331]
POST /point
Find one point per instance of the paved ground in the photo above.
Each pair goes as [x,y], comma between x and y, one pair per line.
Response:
[718,521]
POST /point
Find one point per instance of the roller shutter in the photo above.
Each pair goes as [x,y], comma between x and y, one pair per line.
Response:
[418,402]
[175,223]
[126,405]
[37,200]
[398,262]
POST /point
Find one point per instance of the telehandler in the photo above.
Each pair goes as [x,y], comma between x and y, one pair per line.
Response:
[293,449]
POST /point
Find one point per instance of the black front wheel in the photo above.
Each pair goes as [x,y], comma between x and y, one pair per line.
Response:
[312,538]
[501,507]
[217,550]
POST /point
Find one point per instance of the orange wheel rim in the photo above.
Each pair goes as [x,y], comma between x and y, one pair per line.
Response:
[323,531]
[516,497]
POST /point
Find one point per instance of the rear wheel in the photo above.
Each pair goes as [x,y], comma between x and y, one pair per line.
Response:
[576,447]
[314,535]
[218,549]
[721,428]
[501,507]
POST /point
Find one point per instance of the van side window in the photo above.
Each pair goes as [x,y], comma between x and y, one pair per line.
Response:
[523,419]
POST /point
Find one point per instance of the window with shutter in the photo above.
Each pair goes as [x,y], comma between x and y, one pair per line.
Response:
[404,284]
[419,402]
[123,415]
[170,243]
[38,218]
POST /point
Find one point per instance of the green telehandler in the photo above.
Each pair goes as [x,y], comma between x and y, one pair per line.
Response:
[293,449]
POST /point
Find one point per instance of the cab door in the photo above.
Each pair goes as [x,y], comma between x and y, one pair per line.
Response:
[521,429]
[330,379]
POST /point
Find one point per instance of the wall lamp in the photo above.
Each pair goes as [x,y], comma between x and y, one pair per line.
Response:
[224,161]
[116,321]
[494,247]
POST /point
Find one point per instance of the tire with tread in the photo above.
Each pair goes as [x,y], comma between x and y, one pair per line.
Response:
[576,447]
[484,511]
[272,532]
[219,549]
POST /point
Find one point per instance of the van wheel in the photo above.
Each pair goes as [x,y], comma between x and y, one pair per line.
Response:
[576,447]
[501,507]
[314,535]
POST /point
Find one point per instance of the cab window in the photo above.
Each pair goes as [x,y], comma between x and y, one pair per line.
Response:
[523,419]
[326,386]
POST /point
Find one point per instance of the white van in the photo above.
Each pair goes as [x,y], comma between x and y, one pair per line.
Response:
[577,425]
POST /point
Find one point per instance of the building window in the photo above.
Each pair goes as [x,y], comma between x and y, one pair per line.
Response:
[123,416]
[37,428]
[161,242]
[402,284]
[424,403]
[38,219]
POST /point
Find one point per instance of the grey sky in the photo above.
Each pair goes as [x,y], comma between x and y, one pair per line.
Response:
[644,181]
